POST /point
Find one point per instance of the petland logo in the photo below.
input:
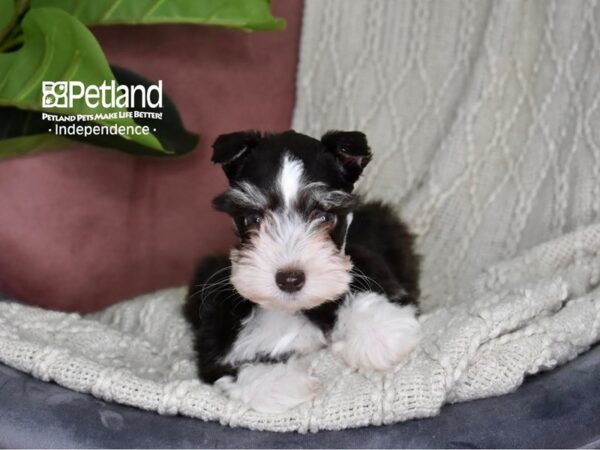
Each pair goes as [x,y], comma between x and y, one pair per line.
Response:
[116,108]
[63,94]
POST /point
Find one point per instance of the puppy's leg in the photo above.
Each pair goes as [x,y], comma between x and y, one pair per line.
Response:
[276,337]
[216,313]
[271,388]
[373,333]
[376,324]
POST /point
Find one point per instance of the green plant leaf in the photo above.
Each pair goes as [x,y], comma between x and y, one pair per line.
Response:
[25,132]
[7,10]
[57,47]
[245,14]
[26,145]
[169,130]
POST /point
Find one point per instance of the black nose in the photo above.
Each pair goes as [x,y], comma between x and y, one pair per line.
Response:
[290,280]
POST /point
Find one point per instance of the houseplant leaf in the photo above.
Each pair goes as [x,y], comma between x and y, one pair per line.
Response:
[24,132]
[7,10]
[245,14]
[34,143]
[169,130]
[58,47]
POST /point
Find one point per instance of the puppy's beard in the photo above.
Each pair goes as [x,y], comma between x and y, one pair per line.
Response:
[287,242]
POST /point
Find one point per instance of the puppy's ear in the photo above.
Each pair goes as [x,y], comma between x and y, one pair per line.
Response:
[350,149]
[230,150]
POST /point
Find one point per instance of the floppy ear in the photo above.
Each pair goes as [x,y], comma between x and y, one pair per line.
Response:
[231,149]
[351,150]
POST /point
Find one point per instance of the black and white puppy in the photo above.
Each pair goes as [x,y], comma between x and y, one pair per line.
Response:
[314,267]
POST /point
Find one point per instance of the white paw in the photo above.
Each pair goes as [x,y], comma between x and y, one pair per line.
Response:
[270,388]
[372,333]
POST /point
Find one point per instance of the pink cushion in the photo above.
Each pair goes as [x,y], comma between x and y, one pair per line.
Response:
[84,228]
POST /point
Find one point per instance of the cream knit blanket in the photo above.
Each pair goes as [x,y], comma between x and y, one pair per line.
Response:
[484,118]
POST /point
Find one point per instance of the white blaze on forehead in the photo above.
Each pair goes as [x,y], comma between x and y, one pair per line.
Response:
[290,179]
[349,218]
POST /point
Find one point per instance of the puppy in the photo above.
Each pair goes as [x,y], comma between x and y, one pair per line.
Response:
[314,266]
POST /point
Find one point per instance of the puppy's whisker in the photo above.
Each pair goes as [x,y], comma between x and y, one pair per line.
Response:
[357,272]
[223,269]
[360,282]
[213,290]
[208,287]
[217,287]
[239,301]
[367,282]
[220,271]
[363,285]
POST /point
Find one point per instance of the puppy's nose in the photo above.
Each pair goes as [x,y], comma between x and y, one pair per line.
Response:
[290,280]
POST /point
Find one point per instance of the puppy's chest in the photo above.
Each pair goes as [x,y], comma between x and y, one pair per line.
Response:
[274,335]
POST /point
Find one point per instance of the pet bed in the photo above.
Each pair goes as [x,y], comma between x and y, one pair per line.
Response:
[481,117]
[555,409]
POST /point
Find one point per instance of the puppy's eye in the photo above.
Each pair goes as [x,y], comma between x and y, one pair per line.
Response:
[322,217]
[252,220]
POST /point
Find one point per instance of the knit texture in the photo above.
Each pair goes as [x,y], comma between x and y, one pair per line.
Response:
[483,119]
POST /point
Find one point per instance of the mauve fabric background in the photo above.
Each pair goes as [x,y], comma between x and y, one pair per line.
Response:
[83,228]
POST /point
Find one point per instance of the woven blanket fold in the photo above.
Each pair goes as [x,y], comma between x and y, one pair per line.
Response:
[482,117]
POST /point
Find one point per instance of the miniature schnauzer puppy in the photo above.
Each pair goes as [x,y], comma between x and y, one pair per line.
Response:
[314,266]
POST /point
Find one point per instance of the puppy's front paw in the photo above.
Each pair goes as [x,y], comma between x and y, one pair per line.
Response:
[372,333]
[271,388]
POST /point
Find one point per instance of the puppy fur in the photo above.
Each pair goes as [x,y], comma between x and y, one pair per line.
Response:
[314,266]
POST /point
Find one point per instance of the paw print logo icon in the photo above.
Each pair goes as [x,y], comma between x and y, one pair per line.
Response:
[54,94]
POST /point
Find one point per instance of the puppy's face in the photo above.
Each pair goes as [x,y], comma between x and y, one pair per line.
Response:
[291,200]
